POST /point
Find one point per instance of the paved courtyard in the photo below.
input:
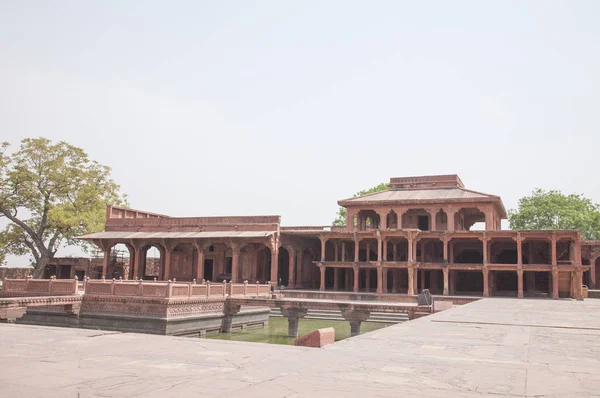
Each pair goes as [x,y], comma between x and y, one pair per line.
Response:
[500,347]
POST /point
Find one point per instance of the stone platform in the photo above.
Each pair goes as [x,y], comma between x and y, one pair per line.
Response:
[496,347]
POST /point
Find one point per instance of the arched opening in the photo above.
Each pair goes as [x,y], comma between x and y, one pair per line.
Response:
[153,262]
[417,218]
[368,220]
[503,251]
[392,220]
[263,272]
[441,221]
[283,269]
[504,283]
[430,251]
[468,282]
[119,265]
[537,251]
[467,251]
[470,218]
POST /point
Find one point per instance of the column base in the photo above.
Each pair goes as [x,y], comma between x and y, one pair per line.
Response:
[355,328]
[292,326]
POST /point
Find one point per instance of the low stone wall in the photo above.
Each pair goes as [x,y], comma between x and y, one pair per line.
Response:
[38,287]
[176,290]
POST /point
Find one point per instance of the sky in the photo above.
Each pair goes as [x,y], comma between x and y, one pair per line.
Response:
[279,107]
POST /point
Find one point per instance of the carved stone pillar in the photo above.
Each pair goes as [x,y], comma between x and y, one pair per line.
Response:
[235,261]
[200,261]
[105,262]
[356,250]
[343,251]
[385,249]
[593,272]
[356,274]
[411,280]
[519,249]
[323,247]
[168,259]
[299,274]
[292,266]
[553,249]
[486,283]
[322,269]
[293,315]
[274,246]
[555,282]
[520,282]
[379,279]
[367,279]
[445,281]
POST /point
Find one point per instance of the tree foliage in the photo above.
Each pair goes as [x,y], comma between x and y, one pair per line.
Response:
[340,219]
[554,210]
[49,194]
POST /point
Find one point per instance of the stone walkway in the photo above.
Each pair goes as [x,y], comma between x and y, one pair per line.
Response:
[500,347]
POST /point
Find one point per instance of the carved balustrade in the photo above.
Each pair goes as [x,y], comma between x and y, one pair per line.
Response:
[37,287]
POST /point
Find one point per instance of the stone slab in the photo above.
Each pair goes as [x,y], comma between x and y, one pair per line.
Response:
[319,338]
[492,347]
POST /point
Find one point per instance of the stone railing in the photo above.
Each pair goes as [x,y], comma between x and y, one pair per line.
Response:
[37,287]
[173,289]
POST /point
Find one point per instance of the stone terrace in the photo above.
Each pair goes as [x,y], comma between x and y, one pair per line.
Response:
[500,347]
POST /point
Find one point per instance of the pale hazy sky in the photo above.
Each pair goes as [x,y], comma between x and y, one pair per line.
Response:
[280,107]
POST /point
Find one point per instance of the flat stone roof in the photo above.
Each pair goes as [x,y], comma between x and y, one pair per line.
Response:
[500,347]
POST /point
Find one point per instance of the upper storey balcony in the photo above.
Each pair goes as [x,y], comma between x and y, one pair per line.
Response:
[432,203]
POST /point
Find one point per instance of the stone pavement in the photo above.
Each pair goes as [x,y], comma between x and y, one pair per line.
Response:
[500,347]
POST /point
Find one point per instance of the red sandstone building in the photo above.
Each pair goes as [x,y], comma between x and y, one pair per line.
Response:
[416,235]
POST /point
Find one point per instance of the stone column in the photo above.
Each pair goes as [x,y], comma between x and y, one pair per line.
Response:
[411,280]
[553,249]
[299,275]
[229,310]
[356,274]
[445,281]
[379,250]
[293,315]
[200,262]
[432,215]
[385,279]
[355,317]
[451,252]
[450,214]
[445,243]
[292,266]
[411,249]
[579,281]
[274,246]
[138,265]
[484,242]
[322,269]
[168,257]
[105,262]
[379,279]
[486,283]
[385,249]
[356,250]
[367,279]
[555,282]
[343,251]
[593,272]
[235,261]
[520,282]
[323,247]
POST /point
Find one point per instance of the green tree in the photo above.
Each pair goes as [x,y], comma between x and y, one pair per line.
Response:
[555,210]
[49,194]
[340,219]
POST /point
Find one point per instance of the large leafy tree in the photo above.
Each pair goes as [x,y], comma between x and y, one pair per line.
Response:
[49,194]
[555,210]
[340,219]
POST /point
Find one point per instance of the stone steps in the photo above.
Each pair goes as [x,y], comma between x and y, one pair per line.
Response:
[337,316]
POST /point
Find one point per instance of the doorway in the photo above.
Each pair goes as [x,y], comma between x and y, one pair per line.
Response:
[423,222]
[208,270]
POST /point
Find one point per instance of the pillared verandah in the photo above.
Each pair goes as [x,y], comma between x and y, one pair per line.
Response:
[416,235]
